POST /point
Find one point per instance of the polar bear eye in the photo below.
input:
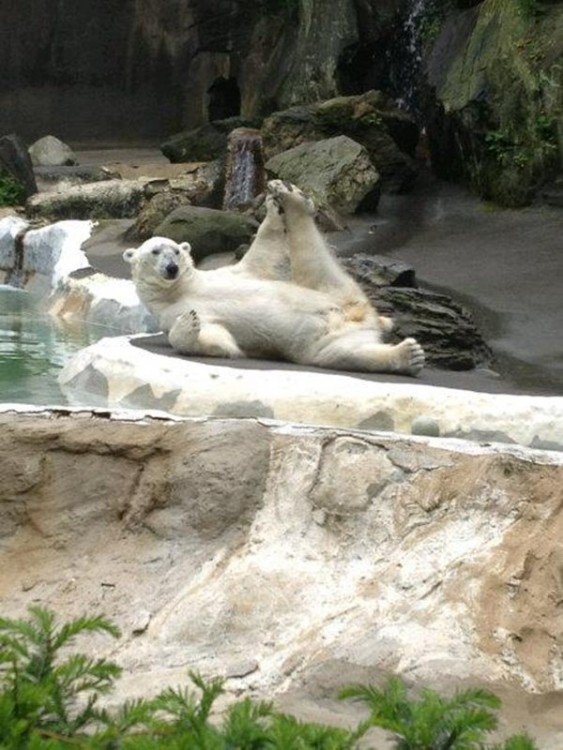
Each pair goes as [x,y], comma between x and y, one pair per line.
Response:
[156,251]
[176,251]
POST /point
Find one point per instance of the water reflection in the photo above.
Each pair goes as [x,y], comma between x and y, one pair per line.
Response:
[33,348]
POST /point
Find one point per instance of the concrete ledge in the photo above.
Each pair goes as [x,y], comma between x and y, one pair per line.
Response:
[114,372]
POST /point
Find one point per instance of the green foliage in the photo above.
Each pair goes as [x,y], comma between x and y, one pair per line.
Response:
[42,690]
[517,742]
[48,701]
[12,192]
[540,144]
[527,9]
[432,722]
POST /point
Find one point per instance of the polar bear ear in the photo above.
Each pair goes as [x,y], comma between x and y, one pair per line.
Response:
[129,254]
[186,247]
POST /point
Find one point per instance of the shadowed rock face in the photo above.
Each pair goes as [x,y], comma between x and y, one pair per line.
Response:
[134,69]
[327,556]
[120,69]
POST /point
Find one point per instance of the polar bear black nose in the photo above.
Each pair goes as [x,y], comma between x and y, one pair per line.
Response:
[171,270]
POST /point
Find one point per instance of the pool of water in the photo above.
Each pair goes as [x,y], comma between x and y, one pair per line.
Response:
[33,349]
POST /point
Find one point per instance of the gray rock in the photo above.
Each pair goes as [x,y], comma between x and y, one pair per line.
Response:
[51,177]
[388,134]
[380,270]
[116,199]
[154,213]
[335,172]
[424,425]
[51,152]
[208,230]
[445,329]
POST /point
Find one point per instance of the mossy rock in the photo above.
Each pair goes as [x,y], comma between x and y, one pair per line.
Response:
[335,172]
[208,230]
[371,119]
[498,80]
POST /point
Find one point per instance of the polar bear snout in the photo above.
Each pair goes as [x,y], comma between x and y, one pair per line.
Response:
[171,270]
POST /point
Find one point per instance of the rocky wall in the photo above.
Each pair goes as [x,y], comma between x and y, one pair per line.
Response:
[291,560]
[133,70]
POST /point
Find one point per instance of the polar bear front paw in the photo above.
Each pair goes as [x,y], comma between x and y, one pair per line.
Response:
[290,196]
[190,322]
[184,333]
[410,356]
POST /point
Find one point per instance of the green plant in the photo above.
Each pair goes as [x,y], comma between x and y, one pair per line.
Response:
[12,192]
[48,701]
[527,9]
[517,742]
[432,722]
[41,690]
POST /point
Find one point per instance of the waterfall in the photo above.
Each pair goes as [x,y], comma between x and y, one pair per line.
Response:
[406,58]
[245,176]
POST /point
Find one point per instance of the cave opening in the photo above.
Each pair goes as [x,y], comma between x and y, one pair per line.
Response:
[224,98]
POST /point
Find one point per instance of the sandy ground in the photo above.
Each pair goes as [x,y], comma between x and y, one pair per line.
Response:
[506,266]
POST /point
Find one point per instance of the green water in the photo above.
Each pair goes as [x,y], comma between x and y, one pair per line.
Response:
[33,349]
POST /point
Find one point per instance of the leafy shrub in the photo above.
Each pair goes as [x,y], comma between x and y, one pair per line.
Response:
[12,192]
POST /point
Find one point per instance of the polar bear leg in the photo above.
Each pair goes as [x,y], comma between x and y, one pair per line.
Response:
[312,262]
[406,357]
[268,255]
[189,336]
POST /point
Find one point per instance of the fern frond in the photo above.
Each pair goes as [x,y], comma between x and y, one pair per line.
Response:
[70,630]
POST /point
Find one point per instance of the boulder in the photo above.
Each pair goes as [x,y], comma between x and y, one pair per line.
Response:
[60,178]
[371,119]
[51,152]
[336,172]
[207,230]
[380,270]
[445,329]
[118,199]
[154,213]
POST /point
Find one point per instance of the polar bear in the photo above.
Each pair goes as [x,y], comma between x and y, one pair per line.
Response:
[318,317]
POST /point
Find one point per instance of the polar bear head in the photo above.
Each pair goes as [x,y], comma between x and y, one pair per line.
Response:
[160,260]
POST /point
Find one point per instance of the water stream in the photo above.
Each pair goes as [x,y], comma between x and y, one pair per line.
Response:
[245,175]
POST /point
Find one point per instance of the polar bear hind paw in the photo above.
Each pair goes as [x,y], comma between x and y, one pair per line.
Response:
[290,195]
[410,356]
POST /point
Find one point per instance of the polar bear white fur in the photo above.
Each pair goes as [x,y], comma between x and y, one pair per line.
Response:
[320,316]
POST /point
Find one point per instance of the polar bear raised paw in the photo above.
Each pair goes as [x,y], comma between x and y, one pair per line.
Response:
[290,196]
